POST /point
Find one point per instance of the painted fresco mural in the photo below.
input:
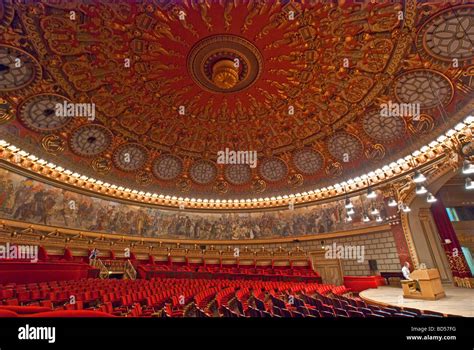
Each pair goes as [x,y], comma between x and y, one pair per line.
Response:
[28,200]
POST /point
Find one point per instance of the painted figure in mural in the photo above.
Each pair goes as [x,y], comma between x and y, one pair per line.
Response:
[6,195]
[22,192]
[35,208]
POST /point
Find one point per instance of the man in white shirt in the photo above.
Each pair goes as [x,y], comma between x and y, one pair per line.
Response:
[406,270]
[406,275]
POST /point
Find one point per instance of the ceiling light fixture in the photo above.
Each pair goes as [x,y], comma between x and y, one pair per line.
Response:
[420,189]
[374,211]
[468,167]
[392,202]
[430,198]
[349,204]
[469,184]
[419,177]
[366,218]
[371,193]
[351,211]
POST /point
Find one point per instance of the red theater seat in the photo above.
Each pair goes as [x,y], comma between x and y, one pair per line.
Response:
[72,313]
[6,294]
[25,309]
[11,302]
[8,313]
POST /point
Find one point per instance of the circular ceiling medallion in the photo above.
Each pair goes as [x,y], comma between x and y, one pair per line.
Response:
[428,88]
[17,68]
[38,113]
[307,161]
[224,63]
[130,157]
[203,172]
[167,167]
[273,169]
[345,147]
[90,140]
[238,174]
[450,34]
[383,128]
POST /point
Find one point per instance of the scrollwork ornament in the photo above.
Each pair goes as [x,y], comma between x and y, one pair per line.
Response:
[183,185]
[53,144]
[423,125]
[221,187]
[6,113]
[101,165]
[258,186]
[143,178]
[375,152]
[295,180]
[334,169]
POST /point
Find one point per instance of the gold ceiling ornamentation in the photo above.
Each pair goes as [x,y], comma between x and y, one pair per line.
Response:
[295,180]
[424,125]
[183,184]
[334,169]
[258,186]
[6,14]
[5,111]
[143,178]
[225,63]
[374,151]
[221,187]
[225,74]
[53,144]
[101,165]
[272,78]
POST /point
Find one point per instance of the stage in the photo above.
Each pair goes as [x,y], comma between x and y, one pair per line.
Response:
[458,301]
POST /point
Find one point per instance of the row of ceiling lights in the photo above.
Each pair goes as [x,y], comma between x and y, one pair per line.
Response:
[418,178]
[371,194]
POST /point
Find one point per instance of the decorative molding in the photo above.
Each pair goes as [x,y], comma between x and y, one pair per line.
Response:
[18,225]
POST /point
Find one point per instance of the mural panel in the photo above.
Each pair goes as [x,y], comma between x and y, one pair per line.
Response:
[28,200]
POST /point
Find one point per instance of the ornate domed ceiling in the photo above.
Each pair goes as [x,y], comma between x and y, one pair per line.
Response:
[174,83]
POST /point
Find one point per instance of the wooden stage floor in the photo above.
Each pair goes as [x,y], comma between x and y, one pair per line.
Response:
[458,301]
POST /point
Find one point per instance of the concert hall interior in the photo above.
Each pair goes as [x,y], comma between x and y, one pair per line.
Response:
[245,159]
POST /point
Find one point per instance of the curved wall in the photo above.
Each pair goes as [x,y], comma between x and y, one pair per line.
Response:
[28,200]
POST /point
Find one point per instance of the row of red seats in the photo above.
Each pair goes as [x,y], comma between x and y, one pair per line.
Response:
[242,271]
[170,297]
